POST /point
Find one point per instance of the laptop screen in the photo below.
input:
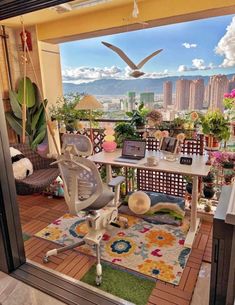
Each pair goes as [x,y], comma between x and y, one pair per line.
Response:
[134,148]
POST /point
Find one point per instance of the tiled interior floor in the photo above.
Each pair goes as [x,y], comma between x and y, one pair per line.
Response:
[14,292]
[39,211]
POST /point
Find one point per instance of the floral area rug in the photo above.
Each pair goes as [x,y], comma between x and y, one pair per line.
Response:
[155,251]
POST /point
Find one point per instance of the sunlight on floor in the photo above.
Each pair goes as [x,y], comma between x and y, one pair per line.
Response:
[201,292]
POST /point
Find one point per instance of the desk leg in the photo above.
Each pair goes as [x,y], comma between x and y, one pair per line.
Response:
[194,221]
[108,173]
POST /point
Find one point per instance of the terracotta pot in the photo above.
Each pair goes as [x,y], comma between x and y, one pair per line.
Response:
[212,142]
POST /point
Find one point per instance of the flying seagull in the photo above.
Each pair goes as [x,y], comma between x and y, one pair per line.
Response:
[135,73]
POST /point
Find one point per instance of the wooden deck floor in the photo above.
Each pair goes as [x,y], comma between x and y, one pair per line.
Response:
[38,211]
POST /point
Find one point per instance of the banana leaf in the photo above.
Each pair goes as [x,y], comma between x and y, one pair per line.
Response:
[36,117]
[15,106]
[15,123]
[39,138]
[30,93]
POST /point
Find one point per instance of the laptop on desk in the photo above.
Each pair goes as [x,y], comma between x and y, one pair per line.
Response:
[132,151]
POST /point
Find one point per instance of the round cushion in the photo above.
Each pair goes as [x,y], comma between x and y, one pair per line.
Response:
[139,202]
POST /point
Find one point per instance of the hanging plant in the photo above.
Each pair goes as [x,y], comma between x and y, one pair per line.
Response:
[35,113]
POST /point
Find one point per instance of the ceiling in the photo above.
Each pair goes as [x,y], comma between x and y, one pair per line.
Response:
[60,12]
[81,19]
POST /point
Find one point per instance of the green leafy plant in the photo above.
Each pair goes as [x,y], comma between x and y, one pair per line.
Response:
[214,123]
[138,116]
[64,112]
[35,113]
[124,131]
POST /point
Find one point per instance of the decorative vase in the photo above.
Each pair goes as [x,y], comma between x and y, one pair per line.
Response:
[109,146]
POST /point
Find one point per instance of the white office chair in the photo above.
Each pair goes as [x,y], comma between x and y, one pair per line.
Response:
[85,191]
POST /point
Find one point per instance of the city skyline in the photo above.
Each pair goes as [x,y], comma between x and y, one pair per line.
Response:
[203,47]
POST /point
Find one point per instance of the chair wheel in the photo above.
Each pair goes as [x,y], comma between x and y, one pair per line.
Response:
[45,259]
[98,280]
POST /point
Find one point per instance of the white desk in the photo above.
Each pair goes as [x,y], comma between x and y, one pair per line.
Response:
[197,169]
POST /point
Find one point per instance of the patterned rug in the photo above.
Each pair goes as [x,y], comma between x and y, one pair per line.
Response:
[156,251]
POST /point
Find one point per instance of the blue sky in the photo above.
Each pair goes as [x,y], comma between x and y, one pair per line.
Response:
[188,49]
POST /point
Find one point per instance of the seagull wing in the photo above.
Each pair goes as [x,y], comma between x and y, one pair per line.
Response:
[121,54]
[140,65]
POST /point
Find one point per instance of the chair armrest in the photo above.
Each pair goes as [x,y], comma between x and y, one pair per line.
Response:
[116,181]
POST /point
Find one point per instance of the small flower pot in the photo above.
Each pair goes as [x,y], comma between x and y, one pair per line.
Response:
[189,187]
[228,164]
[208,191]
[209,178]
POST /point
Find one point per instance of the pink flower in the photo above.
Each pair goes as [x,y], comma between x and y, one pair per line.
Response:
[226,95]
[121,234]
[232,94]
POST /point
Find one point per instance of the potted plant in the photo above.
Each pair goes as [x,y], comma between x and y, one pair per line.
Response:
[215,127]
[138,116]
[124,131]
[229,106]
[189,185]
[208,189]
[209,178]
[65,113]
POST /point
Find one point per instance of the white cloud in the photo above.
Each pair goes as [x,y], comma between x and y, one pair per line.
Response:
[86,74]
[157,74]
[197,64]
[226,46]
[189,45]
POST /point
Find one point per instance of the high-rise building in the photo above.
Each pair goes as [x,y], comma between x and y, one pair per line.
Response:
[219,85]
[196,97]
[207,95]
[167,94]
[182,94]
[147,98]
[231,84]
[131,99]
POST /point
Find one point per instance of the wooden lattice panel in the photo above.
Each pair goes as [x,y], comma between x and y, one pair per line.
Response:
[190,146]
[168,183]
[194,146]
[98,138]
[156,181]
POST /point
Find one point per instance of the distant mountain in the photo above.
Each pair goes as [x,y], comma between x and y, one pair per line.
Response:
[121,87]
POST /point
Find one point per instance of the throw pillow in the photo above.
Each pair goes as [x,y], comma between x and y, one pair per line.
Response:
[22,166]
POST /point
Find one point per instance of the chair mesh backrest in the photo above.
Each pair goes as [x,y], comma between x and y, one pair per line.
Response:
[81,142]
[88,181]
